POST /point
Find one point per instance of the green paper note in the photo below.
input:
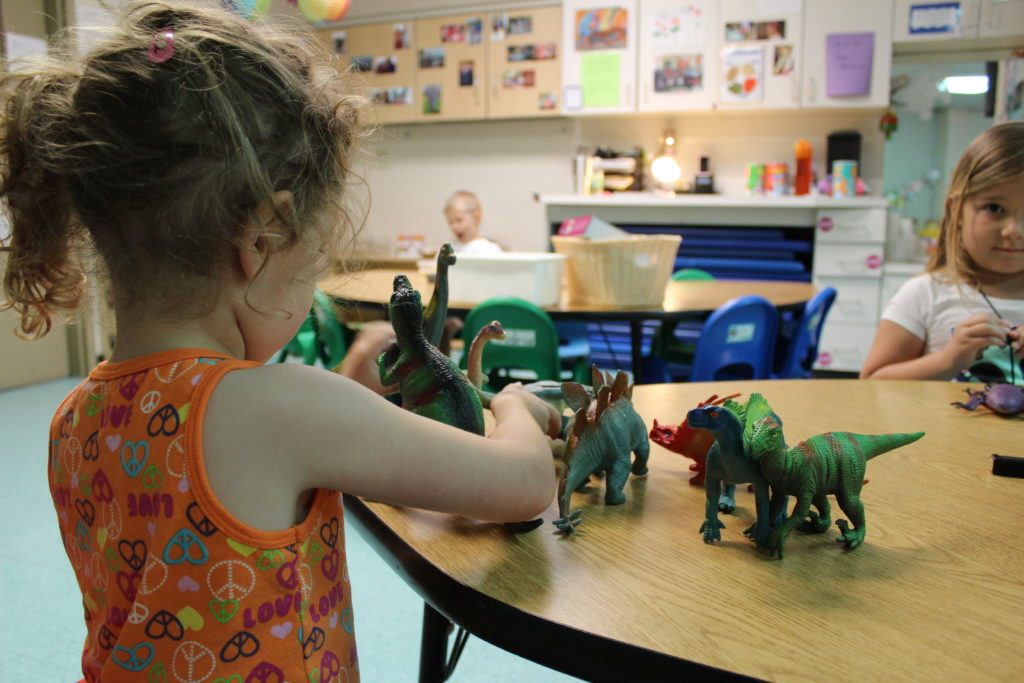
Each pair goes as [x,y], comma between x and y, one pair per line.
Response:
[599,76]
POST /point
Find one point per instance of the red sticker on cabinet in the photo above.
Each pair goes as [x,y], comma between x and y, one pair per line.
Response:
[825,223]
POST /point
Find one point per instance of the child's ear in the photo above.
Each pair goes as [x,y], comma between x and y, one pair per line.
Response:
[269,224]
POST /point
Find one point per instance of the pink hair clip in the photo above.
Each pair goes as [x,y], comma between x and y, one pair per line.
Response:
[161,54]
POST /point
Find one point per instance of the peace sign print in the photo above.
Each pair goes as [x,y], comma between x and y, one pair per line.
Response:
[105,638]
[86,510]
[135,658]
[330,666]
[199,520]
[150,401]
[329,532]
[185,546]
[133,553]
[110,518]
[175,370]
[165,625]
[101,489]
[133,457]
[153,576]
[193,662]
[175,458]
[230,580]
[164,422]
[242,644]
[71,456]
[265,672]
[92,446]
[99,571]
[130,385]
[330,564]
[317,639]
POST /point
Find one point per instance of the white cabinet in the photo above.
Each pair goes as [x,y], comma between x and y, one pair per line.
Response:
[1001,18]
[599,49]
[677,62]
[847,53]
[916,21]
[759,64]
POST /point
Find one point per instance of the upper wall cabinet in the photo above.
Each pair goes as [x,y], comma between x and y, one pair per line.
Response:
[524,63]
[599,51]
[451,67]
[383,57]
[761,56]
[847,53]
[948,25]
[678,55]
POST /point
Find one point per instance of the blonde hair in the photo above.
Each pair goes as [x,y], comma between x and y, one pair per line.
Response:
[995,156]
[474,203]
[160,165]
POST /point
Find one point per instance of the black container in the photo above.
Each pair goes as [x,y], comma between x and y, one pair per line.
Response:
[843,144]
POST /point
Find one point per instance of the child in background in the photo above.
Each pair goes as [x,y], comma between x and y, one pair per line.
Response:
[964,316]
[197,490]
[463,212]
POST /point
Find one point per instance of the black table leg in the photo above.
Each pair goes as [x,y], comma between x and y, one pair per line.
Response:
[636,338]
[433,645]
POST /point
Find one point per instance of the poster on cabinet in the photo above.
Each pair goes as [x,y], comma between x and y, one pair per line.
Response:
[743,74]
[601,29]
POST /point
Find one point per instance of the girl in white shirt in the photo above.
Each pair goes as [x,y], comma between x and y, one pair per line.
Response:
[964,317]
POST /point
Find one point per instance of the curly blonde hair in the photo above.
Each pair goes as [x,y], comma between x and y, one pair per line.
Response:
[993,157]
[161,165]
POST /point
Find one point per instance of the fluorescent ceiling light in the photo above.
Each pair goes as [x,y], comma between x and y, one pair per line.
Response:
[964,85]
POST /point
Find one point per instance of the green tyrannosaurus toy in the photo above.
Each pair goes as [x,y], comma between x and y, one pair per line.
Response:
[729,462]
[831,463]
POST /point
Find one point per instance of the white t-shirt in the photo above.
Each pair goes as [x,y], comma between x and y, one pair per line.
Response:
[930,309]
[479,246]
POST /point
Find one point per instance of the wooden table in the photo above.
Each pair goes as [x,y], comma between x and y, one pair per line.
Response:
[682,298]
[934,593]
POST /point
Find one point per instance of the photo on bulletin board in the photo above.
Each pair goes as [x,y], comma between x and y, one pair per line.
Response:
[547,101]
[681,28]
[743,74]
[679,73]
[390,96]
[362,63]
[601,29]
[740,31]
[431,57]
[545,51]
[466,73]
[520,53]
[499,26]
[525,78]
[474,31]
[338,40]
[402,37]
[432,99]
[385,65]
[453,33]
[771,30]
[520,25]
[783,63]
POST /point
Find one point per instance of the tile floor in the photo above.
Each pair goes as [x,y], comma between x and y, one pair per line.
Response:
[42,636]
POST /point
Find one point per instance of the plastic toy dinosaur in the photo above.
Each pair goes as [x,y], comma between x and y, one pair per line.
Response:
[601,436]
[429,383]
[1002,399]
[437,309]
[693,443]
[729,462]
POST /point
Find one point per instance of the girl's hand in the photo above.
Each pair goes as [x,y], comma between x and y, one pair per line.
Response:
[546,417]
[1017,340]
[360,363]
[973,335]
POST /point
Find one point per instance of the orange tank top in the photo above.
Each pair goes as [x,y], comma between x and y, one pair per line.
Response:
[174,587]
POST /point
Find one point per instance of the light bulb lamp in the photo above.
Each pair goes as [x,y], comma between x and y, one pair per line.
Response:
[665,168]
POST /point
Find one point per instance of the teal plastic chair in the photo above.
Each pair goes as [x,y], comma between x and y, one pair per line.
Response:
[321,336]
[737,341]
[531,343]
[797,351]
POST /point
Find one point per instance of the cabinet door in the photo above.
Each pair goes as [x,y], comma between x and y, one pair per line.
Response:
[385,59]
[1001,18]
[678,55]
[452,67]
[847,53]
[524,62]
[760,60]
[599,47]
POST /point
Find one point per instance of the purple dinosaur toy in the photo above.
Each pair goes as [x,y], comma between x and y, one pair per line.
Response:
[1002,399]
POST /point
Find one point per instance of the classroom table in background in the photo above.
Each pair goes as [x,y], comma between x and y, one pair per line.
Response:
[934,593]
[683,298]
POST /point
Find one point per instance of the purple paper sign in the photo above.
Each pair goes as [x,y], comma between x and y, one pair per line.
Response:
[848,59]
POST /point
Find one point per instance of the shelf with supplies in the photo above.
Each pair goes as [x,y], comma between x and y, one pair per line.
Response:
[824,240]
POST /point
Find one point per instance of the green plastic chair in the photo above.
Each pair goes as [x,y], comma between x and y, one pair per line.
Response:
[321,336]
[531,343]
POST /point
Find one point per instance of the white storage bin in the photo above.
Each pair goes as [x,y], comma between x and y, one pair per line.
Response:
[535,277]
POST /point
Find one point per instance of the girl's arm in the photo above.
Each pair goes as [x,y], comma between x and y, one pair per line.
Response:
[276,431]
[898,354]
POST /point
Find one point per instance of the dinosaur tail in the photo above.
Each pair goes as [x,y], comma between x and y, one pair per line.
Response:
[872,444]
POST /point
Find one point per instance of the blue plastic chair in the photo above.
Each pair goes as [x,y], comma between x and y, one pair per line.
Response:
[796,352]
[737,341]
[674,342]
[532,341]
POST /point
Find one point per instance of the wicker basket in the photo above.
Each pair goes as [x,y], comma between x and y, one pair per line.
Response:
[626,272]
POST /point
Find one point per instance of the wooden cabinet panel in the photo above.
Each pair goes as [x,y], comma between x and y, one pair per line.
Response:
[386,57]
[677,65]
[599,48]
[451,67]
[525,63]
